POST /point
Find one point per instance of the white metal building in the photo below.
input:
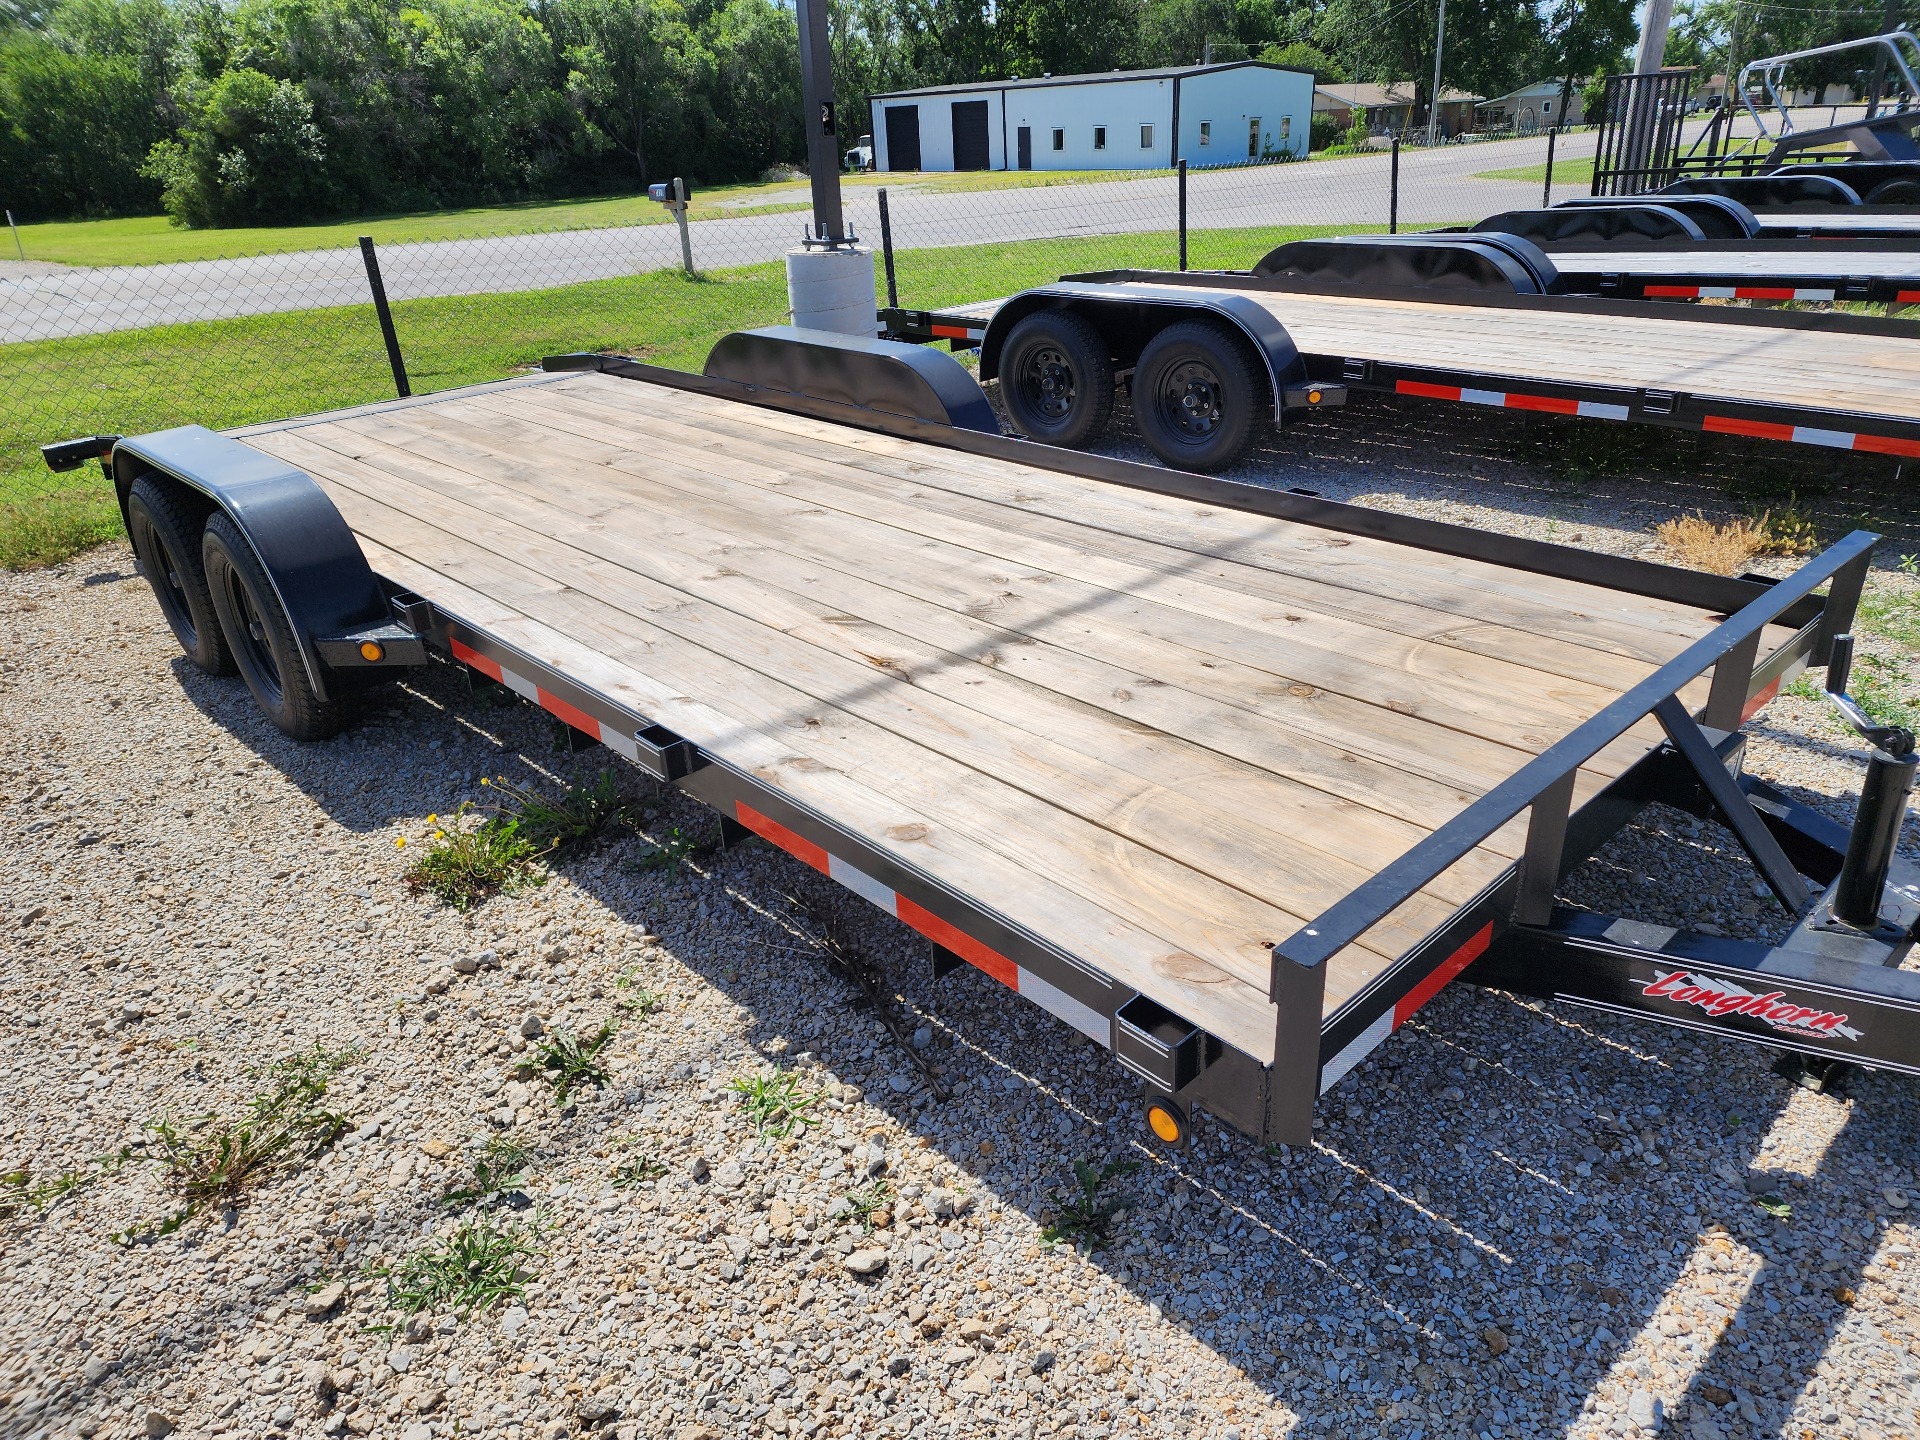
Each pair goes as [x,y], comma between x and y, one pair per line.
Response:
[1125,120]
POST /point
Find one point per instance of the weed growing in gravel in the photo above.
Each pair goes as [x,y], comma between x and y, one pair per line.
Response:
[637,1170]
[871,1205]
[671,853]
[468,863]
[1724,548]
[209,1160]
[778,1105]
[477,1266]
[18,1191]
[633,997]
[1087,1219]
[571,1062]
[570,820]
[1776,1207]
[499,1169]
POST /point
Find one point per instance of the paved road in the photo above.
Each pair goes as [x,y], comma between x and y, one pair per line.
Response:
[43,302]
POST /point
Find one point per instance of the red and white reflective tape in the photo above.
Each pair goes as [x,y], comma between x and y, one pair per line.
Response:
[1713,424]
[1362,1045]
[1810,435]
[958,332]
[1509,400]
[615,740]
[1049,997]
[1735,292]
[1907,297]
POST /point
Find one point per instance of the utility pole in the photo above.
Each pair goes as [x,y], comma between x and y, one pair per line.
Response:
[1439,44]
[823,129]
[1641,121]
[1652,54]
[830,275]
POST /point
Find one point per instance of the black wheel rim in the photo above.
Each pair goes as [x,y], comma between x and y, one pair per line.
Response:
[1189,400]
[1046,383]
[252,642]
[167,583]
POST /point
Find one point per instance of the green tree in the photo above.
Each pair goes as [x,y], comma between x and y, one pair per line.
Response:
[74,130]
[1069,37]
[252,153]
[1488,44]
[1584,38]
[1302,55]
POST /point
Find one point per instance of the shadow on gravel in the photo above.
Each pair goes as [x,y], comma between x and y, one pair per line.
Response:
[1499,1202]
[1568,471]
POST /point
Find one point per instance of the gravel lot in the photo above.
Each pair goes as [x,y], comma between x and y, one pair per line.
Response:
[1516,1220]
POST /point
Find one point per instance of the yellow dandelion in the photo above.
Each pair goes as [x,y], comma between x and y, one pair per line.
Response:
[399,842]
[433,819]
[439,834]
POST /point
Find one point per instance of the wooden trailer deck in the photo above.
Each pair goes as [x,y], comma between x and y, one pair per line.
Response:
[1154,734]
[1837,260]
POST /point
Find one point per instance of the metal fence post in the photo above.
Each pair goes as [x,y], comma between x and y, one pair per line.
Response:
[886,251]
[16,235]
[680,214]
[1546,187]
[385,316]
[1181,166]
[1393,192]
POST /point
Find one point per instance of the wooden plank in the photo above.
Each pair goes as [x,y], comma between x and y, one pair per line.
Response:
[714,654]
[1056,532]
[1235,821]
[1316,555]
[1026,900]
[1361,727]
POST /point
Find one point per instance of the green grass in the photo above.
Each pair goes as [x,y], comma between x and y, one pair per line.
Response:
[478,1265]
[499,1169]
[467,864]
[567,822]
[156,240]
[225,373]
[1085,1217]
[778,1105]
[1571,171]
[572,1063]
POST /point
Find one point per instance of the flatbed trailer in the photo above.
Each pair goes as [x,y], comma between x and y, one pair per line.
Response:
[1837,381]
[1853,269]
[1230,781]
[1851,222]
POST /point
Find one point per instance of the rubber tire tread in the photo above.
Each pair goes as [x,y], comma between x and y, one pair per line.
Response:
[1092,366]
[295,710]
[1243,385]
[163,506]
[1895,192]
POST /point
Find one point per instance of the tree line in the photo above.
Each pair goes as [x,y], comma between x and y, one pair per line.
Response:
[230,112]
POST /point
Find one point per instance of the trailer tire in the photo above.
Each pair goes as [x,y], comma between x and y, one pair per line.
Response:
[1895,192]
[1198,396]
[165,529]
[1056,379]
[262,638]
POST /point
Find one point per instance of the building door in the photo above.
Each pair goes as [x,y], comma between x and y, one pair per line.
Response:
[1253,138]
[1024,139]
[903,137]
[970,151]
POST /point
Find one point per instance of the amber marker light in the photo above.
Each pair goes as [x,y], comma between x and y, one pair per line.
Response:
[373,651]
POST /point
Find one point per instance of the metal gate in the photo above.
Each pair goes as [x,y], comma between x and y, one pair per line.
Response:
[1640,131]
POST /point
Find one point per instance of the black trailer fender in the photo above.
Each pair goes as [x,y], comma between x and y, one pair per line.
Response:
[1492,263]
[1768,191]
[319,574]
[1596,224]
[1719,217]
[1129,316]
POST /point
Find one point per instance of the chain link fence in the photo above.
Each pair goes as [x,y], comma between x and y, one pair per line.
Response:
[225,342]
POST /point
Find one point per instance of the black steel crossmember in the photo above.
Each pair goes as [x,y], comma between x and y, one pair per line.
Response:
[1730,803]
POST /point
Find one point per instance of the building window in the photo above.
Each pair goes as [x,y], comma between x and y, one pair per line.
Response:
[1546,107]
[1059,139]
[1146,137]
[1206,132]
[1099,137]
[1286,126]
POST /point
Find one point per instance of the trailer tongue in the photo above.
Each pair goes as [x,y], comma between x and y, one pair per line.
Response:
[1227,780]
